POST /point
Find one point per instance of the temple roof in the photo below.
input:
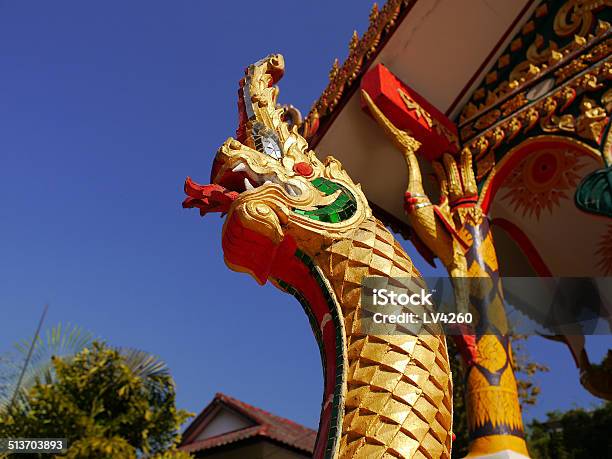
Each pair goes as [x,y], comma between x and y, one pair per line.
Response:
[227,420]
[443,49]
[362,51]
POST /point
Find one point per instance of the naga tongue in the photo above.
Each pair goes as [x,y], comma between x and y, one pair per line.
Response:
[208,198]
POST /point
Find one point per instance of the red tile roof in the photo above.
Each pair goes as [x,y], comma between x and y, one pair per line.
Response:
[266,425]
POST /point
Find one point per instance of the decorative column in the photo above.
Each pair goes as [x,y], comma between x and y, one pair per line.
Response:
[457,232]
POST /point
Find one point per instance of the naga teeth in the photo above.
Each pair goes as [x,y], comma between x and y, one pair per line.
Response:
[291,189]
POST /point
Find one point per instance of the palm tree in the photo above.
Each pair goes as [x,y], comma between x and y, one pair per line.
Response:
[35,361]
[31,360]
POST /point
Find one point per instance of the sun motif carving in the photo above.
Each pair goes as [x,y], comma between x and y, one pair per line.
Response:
[542,180]
[604,252]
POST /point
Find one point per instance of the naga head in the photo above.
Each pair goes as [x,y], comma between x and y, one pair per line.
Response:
[277,195]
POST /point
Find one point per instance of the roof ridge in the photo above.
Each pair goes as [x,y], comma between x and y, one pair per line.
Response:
[242,404]
[362,51]
[244,407]
[266,425]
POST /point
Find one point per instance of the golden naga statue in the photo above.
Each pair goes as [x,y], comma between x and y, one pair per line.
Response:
[457,232]
[307,227]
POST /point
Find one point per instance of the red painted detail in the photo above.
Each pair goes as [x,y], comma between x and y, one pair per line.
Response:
[513,158]
[409,202]
[544,167]
[466,343]
[525,244]
[208,198]
[383,87]
[569,101]
[291,270]
[465,201]
[246,249]
[250,251]
[276,74]
[303,169]
[601,134]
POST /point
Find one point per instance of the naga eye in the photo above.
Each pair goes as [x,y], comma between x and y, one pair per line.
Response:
[303,169]
[271,148]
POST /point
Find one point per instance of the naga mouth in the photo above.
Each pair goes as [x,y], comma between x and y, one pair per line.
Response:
[241,178]
[219,196]
[336,204]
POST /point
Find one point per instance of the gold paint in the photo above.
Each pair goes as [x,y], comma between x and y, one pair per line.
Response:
[514,104]
[574,18]
[487,401]
[588,124]
[389,380]
[480,446]
[523,72]
[413,105]
[488,119]
[592,120]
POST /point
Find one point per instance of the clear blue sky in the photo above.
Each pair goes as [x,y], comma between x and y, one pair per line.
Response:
[105,108]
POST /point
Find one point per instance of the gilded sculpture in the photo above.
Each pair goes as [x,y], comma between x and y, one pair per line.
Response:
[457,232]
[306,227]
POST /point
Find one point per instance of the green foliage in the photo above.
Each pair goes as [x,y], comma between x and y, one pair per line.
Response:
[525,369]
[575,434]
[101,448]
[173,454]
[105,402]
[59,341]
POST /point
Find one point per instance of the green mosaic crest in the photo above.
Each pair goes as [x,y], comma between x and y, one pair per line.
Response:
[343,208]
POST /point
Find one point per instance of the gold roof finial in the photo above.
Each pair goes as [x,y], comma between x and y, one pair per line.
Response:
[334,70]
[354,41]
[374,13]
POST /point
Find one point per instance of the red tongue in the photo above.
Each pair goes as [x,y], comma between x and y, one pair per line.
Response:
[208,198]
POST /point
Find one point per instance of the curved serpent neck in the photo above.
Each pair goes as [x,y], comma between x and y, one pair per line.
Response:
[397,399]
[307,227]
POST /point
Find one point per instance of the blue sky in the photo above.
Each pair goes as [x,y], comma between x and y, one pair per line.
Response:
[105,108]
